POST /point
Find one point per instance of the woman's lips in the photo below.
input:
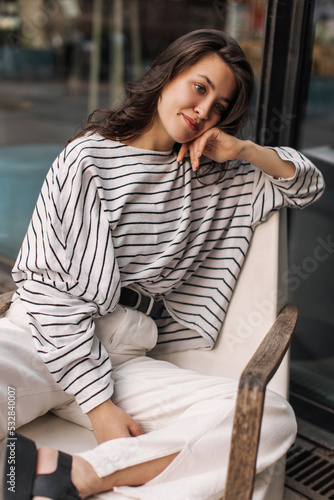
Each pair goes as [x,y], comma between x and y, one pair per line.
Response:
[192,124]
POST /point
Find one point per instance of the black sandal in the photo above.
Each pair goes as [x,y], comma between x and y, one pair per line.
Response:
[20,481]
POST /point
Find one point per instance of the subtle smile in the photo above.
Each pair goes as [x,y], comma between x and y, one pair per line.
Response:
[192,124]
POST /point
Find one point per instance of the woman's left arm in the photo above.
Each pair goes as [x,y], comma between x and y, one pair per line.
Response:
[267,160]
[220,147]
[283,177]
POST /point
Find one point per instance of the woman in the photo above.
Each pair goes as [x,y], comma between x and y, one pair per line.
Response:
[124,209]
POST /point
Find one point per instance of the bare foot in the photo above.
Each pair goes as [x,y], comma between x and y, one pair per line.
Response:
[82,474]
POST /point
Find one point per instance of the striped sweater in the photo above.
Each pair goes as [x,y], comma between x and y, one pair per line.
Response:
[110,215]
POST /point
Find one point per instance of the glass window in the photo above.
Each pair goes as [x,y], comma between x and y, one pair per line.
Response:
[319,123]
[311,251]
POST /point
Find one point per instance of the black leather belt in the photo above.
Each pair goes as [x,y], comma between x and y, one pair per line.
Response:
[146,304]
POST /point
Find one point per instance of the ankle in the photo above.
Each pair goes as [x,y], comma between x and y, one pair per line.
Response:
[84,478]
[46,461]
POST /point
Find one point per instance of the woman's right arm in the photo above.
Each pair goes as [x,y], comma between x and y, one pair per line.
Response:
[66,275]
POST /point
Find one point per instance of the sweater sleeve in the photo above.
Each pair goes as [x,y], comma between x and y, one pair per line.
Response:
[299,191]
[67,274]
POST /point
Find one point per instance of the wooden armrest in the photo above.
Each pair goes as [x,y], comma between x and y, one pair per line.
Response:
[5,301]
[249,405]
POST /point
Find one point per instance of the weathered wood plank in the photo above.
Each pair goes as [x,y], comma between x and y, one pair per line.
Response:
[6,280]
[5,300]
[249,405]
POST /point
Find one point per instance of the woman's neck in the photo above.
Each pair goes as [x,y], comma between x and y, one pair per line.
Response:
[150,140]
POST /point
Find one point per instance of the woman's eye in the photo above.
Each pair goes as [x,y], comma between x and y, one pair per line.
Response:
[200,88]
[220,108]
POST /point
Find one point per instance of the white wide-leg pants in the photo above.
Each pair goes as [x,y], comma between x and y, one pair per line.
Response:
[178,410]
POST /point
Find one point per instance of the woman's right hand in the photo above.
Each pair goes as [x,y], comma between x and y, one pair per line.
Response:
[111,422]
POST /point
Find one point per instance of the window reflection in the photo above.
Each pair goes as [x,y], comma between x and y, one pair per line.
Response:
[61,59]
[311,252]
[319,123]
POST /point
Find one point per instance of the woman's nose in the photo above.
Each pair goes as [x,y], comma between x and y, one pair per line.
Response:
[203,110]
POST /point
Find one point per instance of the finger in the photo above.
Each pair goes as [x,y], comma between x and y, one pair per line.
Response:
[197,151]
[193,157]
[135,429]
[202,143]
[183,150]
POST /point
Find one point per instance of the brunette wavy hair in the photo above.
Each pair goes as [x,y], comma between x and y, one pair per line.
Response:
[136,114]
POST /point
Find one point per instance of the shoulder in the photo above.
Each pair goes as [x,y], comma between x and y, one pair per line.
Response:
[92,145]
[90,154]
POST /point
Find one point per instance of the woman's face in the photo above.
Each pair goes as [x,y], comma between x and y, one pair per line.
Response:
[194,101]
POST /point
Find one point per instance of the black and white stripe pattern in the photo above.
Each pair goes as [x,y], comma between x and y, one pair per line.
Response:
[110,215]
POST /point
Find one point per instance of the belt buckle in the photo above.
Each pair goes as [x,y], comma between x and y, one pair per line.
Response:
[150,306]
[139,301]
[139,298]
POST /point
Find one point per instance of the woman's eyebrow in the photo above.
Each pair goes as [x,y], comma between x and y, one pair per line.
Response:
[212,85]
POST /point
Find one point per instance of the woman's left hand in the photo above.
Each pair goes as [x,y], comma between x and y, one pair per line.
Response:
[215,144]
